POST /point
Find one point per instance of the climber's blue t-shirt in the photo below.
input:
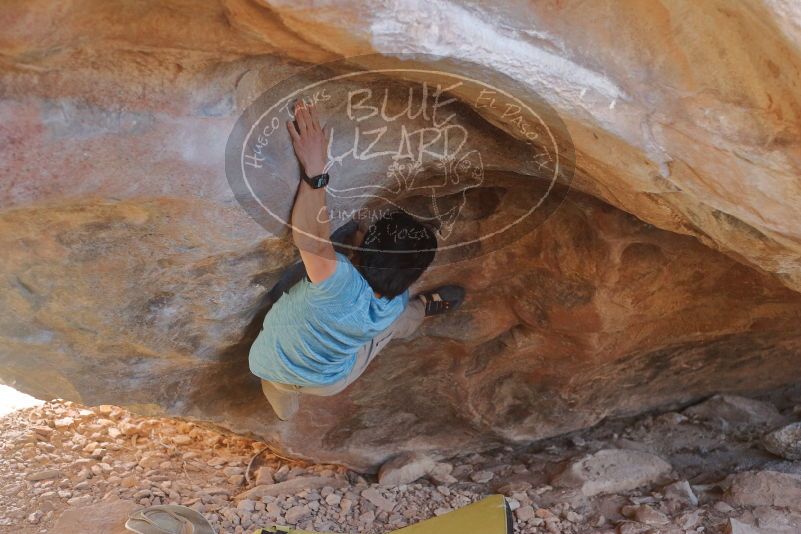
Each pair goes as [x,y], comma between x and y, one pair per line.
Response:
[312,333]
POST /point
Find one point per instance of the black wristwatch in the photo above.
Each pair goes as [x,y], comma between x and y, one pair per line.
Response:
[316,182]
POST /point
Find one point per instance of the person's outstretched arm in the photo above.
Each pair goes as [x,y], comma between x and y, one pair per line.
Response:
[310,228]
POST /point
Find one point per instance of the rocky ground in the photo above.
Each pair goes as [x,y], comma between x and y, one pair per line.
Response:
[727,465]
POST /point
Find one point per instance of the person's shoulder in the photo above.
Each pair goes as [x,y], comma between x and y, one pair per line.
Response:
[345,280]
[346,271]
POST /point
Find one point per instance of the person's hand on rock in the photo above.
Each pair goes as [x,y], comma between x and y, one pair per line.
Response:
[309,139]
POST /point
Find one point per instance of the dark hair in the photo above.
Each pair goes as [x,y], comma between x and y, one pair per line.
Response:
[395,251]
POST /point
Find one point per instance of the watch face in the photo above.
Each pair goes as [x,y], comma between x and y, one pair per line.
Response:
[319,181]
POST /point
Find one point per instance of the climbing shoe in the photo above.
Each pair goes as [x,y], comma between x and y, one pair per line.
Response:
[441,300]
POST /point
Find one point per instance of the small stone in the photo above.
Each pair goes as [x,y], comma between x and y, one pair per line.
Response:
[573,517]
[482,477]
[181,440]
[689,520]
[723,507]
[83,500]
[672,418]
[333,499]
[64,423]
[514,487]
[281,474]
[246,505]
[441,474]
[372,495]
[43,431]
[150,461]
[735,526]
[542,489]
[405,469]
[578,441]
[785,442]
[682,492]
[129,429]
[632,527]
[142,493]
[295,514]
[264,476]
[229,471]
[525,513]
[217,461]
[273,510]
[345,505]
[367,518]
[35,517]
[45,475]
[628,511]
[650,516]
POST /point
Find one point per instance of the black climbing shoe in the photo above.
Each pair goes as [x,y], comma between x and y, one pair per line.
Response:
[441,300]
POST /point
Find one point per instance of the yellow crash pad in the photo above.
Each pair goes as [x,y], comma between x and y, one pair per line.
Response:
[488,516]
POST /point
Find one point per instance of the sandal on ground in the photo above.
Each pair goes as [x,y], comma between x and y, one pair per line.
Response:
[168,519]
[441,300]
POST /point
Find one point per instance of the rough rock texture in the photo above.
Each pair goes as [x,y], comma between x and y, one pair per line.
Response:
[111,461]
[737,411]
[107,517]
[612,471]
[765,488]
[131,275]
[405,469]
[785,442]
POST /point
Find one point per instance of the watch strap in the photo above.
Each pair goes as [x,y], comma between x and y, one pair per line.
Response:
[316,182]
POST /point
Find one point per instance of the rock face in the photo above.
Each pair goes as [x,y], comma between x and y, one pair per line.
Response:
[671,271]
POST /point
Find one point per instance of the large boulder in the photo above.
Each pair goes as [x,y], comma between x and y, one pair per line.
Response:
[612,471]
[131,274]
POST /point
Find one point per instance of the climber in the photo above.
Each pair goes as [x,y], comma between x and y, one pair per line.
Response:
[330,314]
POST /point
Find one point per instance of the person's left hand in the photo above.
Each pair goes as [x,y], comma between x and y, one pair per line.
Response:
[309,140]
